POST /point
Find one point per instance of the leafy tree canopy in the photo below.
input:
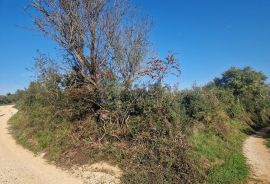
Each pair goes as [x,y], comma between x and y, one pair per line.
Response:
[242,81]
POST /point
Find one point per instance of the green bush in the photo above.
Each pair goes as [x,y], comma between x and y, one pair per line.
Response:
[164,136]
[11,98]
[141,128]
[251,91]
[231,105]
[4,100]
[202,105]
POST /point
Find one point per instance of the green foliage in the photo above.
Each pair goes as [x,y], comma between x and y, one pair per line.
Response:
[159,150]
[221,159]
[164,136]
[4,100]
[250,89]
[144,132]
[229,102]
[268,142]
[141,128]
[11,98]
[202,105]
[242,81]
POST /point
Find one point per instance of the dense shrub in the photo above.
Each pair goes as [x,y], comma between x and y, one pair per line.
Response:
[152,129]
[251,91]
[229,102]
[4,100]
[202,105]
[141,128]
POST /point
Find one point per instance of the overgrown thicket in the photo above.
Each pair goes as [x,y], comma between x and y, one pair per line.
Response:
[93,107]
[155,133]
[139,129]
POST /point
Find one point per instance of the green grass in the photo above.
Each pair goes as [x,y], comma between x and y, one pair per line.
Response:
[222,160]
[37,140]
[268,142]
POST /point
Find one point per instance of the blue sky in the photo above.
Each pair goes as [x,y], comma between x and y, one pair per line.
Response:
[209,36]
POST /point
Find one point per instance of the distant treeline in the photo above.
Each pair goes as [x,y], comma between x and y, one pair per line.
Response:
[10,98]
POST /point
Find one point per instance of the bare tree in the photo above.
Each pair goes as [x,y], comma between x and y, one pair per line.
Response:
[130,49]
[102,36]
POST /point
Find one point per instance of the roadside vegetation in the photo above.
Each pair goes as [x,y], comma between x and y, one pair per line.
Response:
[268,143]
[11,98]
[112,103]
[268,139]
[170,136]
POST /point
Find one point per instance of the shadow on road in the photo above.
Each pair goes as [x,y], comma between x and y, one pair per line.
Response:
[263,133]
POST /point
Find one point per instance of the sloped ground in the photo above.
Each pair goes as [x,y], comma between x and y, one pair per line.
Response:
[20,166]
[258,157]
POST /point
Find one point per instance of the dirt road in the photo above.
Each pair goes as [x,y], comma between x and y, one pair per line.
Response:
[19,166]
[258,157]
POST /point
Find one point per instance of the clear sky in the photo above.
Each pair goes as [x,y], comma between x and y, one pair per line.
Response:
[209,36]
